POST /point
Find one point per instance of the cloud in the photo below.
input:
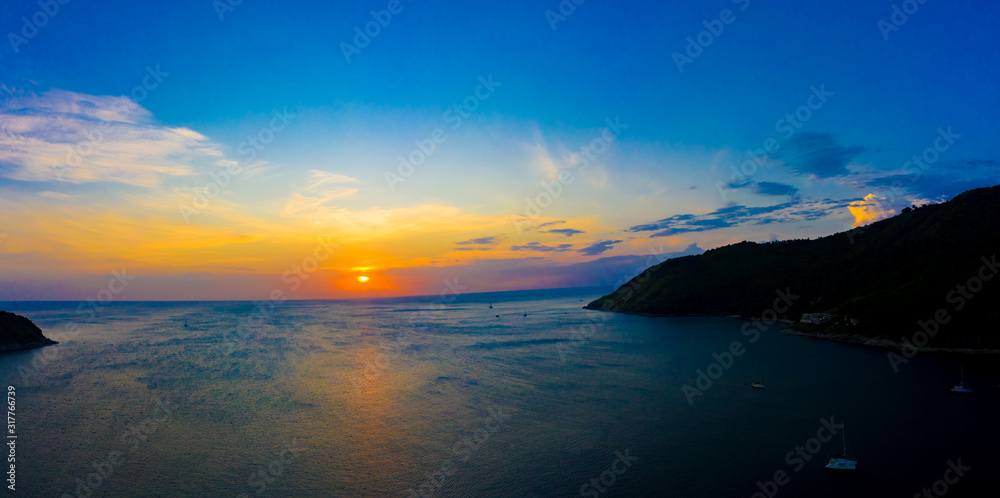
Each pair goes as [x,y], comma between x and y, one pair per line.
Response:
[80,138]
[731,216]
[764,188]
[817,154]
[551,223]
[774,188]
[871,208]
[535,246]
[299,203]
[939,181]
[569,232]
[492,240]
[55,195]
[322,187]
[318,178]
[598,247]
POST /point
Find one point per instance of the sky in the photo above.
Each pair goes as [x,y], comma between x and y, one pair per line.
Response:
[202,150]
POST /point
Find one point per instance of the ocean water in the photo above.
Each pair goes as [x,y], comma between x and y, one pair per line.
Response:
[420,397]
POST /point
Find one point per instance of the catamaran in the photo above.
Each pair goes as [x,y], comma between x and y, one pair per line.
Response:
[963,388]
[841,462]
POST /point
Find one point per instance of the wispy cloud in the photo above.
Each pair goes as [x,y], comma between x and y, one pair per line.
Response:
[774,188]
[817,154]
[569,232]
[492,240]
[599,247]
[80,138]
[321,187]
[55,195]
[551,223]
[730,216]
[536,246]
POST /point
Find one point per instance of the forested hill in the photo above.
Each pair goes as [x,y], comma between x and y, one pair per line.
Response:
[878,280]
[17,332]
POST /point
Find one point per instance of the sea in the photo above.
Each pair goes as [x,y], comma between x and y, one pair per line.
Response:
[447,396]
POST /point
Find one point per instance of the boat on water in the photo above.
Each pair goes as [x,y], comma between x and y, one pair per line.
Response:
[758,384]
[841,462]
[525,312]
[962,388]
[491,305]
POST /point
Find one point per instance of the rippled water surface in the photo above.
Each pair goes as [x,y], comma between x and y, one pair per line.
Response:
[396,397]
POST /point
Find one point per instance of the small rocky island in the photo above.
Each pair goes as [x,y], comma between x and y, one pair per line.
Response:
[17,332]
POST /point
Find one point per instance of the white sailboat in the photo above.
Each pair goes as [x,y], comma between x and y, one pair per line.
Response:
[758,384]
[962,388]
[841,462]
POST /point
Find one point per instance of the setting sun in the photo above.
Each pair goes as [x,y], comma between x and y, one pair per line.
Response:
[362,278]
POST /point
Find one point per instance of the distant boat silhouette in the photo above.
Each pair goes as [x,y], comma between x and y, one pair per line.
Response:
[962,388]
[185,323]
[491,305]
[841,462]
[498,316]
[758,384]
[525,312]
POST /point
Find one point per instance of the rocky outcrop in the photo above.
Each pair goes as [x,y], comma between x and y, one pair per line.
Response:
[17,333]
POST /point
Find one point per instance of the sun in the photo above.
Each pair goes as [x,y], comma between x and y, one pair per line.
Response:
[363,278]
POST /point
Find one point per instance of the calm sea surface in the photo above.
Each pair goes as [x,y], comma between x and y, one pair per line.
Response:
[398,397]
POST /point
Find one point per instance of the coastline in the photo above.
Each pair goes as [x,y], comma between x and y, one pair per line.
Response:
[31,345]
[877,342]
[881,342]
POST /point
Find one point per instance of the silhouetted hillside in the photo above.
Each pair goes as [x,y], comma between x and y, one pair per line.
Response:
[885,276]
[17,332]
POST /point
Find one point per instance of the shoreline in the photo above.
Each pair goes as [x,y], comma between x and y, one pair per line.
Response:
[876,342]
[31,345]
[881,342]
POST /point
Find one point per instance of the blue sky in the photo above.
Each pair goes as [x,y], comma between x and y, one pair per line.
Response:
[667,177]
